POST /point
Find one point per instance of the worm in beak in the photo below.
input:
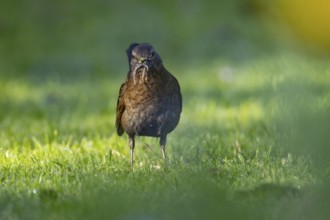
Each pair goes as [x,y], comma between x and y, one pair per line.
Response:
[139,67]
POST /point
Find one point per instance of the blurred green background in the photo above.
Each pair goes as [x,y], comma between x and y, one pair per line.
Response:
[48,38]
[253,141]
[88,37]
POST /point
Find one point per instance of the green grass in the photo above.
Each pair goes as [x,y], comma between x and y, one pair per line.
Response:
[61,158]
[252,141]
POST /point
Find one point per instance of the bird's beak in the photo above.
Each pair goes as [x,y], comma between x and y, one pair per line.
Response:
[142,60]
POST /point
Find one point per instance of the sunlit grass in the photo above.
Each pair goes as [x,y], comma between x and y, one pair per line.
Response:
[61,155]
[252,142]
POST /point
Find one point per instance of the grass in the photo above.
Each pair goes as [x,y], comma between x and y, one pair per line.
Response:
[252,141]
[61,159]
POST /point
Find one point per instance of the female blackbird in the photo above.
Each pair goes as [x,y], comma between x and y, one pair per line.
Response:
[150,101]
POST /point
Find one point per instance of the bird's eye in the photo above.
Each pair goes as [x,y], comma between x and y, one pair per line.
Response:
[134,57]
[151,55]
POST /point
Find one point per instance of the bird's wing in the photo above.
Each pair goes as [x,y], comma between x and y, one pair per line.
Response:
[178,93]
[174,87]
[120,109]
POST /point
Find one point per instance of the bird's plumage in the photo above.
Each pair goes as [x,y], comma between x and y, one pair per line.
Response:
[149,101]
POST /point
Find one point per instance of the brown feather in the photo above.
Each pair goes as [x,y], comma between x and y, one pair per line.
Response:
[149,101]
[120,109]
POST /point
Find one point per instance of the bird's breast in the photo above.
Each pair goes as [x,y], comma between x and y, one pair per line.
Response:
[143,102]
[148,111]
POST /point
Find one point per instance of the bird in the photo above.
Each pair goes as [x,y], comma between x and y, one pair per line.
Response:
[149,101]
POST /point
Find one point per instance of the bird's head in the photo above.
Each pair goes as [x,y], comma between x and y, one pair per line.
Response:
[144,59]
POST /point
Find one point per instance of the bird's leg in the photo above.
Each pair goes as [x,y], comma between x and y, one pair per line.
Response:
[131,145]
[162,143]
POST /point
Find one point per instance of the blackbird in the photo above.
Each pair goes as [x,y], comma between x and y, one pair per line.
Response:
[149,101]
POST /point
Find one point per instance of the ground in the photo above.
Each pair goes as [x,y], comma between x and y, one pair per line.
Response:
[251,143]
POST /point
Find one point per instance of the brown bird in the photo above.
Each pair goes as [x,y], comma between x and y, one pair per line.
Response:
[150,101]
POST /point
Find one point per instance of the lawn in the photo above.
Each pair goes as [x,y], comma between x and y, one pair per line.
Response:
[252,141]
